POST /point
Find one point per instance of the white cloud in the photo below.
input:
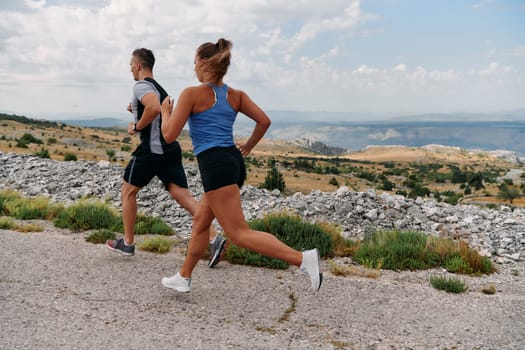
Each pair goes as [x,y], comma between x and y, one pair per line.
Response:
[61,54]
[518,51]
[387,135]
[400,68]
[481,4]
[364,70]
[493,69]
[443,76]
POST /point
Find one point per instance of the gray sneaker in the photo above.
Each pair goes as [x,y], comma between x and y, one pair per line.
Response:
[216,249]
[119,247]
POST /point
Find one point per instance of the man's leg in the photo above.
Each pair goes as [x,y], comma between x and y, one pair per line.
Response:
[185,199]
[129,211]
[129,216]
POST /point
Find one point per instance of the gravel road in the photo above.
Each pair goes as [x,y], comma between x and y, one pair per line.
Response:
[59,292]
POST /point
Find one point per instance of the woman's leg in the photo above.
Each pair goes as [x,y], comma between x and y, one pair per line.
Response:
[225,203]
[202,220]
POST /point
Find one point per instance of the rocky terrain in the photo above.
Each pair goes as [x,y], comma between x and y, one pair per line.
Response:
[496,233]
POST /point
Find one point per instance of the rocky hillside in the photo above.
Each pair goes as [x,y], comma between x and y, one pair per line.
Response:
[497,233]
[320,148]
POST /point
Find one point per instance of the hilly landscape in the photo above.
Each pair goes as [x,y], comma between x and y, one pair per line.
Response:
[449,173]
[356,131]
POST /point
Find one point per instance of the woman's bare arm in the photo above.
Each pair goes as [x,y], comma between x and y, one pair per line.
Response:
[262,122]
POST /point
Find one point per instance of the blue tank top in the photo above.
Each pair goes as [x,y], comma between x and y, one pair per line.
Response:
[214,126]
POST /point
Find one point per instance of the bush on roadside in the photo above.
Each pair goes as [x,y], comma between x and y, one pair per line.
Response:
[7,195]
[30,208]
[449,285]
[7,224]
[157,244]
[86,215]
[151,225]
[341,246]
[398,250]
[100,236]
[290,229]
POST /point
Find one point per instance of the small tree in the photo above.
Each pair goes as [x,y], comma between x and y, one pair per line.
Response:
[274,179]
[43,153]
[68,157]
[476,181]
[111,154]
[508,193]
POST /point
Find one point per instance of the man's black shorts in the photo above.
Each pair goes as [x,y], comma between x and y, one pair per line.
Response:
[144,166]
[221,166]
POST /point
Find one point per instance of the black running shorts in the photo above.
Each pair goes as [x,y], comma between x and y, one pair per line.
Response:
[221,166]
[144,166]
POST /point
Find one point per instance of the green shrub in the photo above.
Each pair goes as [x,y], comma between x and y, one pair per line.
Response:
[100,236]
[7,224]
[68,157]
[43,153]
[188,155]
[341,246]
[158,244]
[456,264]
[6,195]
[87,215]
[274,179]
[27,208]
[450,285]
[151,225]
[111,154]
[28,138]
[333,182]
[290,229]
[396,250]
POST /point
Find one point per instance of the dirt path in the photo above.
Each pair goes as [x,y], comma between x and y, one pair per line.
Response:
[59,292]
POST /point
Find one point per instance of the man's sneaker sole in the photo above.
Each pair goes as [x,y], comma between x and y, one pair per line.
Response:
[214,260]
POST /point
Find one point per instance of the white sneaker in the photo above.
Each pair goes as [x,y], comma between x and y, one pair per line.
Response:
[311,266]
[178,283]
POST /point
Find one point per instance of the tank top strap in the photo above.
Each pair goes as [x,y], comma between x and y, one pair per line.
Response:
[219,91]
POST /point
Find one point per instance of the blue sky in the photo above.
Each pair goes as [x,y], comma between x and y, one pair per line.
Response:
[61,59]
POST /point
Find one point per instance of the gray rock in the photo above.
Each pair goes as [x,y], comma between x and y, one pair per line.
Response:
[488,230]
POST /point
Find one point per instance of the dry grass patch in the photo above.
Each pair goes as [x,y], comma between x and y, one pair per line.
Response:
[349,270]
[30,228]
[156,244]
[489,289]
[7,224]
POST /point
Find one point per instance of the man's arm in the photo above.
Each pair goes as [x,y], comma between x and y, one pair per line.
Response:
[151,104]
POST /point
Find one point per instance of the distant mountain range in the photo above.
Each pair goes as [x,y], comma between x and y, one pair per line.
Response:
[355,131]
[353,136]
